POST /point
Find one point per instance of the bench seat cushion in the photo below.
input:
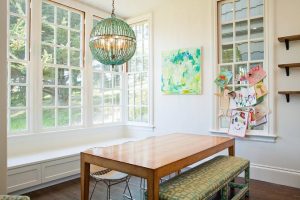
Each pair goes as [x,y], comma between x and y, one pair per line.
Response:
[204,180]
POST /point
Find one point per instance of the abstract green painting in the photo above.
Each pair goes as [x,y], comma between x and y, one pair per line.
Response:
[181,71]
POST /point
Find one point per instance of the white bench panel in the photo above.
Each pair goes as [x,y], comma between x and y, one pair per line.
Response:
[24,177]
[60,168]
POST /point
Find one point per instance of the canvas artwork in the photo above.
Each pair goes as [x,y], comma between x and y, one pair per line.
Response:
[181,71]
[238,123]
[255,75]
[243,98]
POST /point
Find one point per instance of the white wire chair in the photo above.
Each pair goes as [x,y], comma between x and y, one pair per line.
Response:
[109,178]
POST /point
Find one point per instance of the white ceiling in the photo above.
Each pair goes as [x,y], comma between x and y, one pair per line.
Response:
[124,8]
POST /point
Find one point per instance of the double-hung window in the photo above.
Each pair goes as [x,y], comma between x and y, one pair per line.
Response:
[62,60]
[107,92]
[18,64]
[138,77]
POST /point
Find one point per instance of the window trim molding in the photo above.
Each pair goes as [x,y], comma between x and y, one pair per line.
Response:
[269,29]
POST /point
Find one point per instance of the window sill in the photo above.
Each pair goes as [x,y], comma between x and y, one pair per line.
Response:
[255,136]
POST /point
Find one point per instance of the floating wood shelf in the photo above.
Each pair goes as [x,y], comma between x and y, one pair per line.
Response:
[287,40]
[288,66]
[288,93]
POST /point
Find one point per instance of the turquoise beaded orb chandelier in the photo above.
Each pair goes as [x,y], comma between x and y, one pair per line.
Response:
[112,41]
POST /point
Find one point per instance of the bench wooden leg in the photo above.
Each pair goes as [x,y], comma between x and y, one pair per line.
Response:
[224,193]
[247,180]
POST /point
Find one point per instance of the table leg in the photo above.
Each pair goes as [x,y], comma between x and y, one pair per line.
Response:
[231,150]
[85,179]
[153,188]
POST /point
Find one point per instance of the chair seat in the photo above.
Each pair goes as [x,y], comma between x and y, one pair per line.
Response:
[101,173]
[204,180]
[9,197]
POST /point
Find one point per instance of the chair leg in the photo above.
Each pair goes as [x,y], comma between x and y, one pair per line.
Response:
[224,193]
[127,186]
[96,182]
[247,180]
[108,191]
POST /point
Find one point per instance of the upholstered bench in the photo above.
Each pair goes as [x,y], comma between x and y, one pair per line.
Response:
[8,197]
[207,179]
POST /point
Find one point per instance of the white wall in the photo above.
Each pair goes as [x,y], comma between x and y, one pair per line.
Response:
[3,85]
[180,24]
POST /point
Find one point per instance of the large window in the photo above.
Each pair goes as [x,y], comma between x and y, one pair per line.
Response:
[241,41]
[62,59]
[107,92]
[138,77]
[18,59]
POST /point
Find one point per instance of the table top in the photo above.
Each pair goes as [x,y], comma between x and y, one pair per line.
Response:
[158,151]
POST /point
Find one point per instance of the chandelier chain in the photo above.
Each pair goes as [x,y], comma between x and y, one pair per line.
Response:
[113,7]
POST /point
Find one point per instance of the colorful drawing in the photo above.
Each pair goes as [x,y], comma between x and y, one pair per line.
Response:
[261,90]
[181,71]
[255,75]
[223,79]
[244,98]
[238,123]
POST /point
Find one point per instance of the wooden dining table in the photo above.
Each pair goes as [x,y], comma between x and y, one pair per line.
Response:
[153,158]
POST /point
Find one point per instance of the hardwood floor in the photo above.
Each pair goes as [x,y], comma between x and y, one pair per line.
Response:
[71,191]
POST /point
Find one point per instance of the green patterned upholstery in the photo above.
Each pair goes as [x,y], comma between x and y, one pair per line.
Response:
[205,180]
[9,197]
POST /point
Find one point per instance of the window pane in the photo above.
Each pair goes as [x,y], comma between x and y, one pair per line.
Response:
[76,77]
[47,54]
[137,97]
[18,96]
[131,114]
[18,120]
[62,17]
[107,114]
[226,68]
[107,80]
[227,33]
[61,36]
[257,28]
[240,71]
[108,98]
[48,118]
[97,97]
[48,96]
[241,9]
[63,76]
[145,114]
[17,73]
[117,114]
[97,80]
[227,53]
[17,27]
[76,117]
[242,52]
[76,97]
[257,50]
[48,12]
[63,116]
[63,96]
[49,76]
[75,39]
[17,7]
[75,21]
[48,33]
[227,12]
[98,115]
[17,49]
[61,56]
[117,97]
[75,58]
[117,81]
[137,114]
[131,97]
[256,7]
[145,97]
[241,32]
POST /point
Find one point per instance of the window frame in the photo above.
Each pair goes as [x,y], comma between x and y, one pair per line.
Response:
[27,65]
[269,134]
[150,123]
[68,66]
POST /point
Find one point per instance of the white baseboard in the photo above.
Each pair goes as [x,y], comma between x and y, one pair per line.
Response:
[45,185]
[275,175]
